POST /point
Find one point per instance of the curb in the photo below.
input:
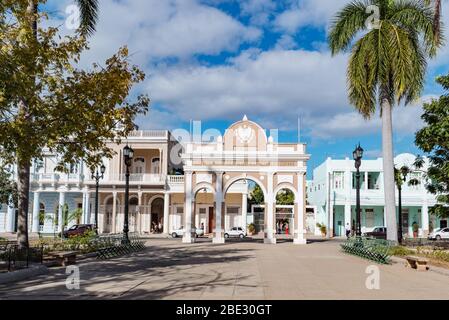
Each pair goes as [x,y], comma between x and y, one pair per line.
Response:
[23,274]
[442,271]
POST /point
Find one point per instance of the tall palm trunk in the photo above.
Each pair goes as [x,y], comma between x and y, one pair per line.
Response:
[388,166]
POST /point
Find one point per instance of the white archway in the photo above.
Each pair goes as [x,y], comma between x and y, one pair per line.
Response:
[245,177]
[155,219]
[287,186]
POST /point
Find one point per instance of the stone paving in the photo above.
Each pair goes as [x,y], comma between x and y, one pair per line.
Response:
[168,269]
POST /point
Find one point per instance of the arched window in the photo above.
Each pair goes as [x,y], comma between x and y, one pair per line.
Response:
[155,166]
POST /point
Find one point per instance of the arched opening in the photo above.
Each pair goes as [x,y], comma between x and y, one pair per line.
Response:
[41,216]
[245,206]
[204,208]
[285,212]
[133,213]
[107,219]
[155,165]
[157,215]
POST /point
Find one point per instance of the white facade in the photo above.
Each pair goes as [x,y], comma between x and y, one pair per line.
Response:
[332,191]
[206,186]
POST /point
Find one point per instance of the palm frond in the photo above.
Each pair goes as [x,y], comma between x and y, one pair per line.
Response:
[350,20]
[89,16]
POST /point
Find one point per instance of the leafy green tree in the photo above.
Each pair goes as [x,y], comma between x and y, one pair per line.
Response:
[386,67]
[256,196]
[8,188]
[285,197]
[45,101]
[434,140]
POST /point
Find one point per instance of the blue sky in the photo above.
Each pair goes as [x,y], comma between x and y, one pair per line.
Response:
[216,60]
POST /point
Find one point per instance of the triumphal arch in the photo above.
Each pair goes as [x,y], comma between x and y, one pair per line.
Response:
[215,171]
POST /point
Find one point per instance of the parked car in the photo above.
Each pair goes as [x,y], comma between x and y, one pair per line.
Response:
[235,232]
[439,234]
[377,233]
[78,229]
[180,232]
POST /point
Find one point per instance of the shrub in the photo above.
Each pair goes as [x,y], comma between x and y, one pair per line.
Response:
[251,228]
[322,228]
[400,251]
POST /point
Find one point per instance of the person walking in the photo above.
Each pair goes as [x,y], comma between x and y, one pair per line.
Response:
[348,230]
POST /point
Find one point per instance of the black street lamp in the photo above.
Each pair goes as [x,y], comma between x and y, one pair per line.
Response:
[404,171]
[358,155]
[128,154]
[97,177]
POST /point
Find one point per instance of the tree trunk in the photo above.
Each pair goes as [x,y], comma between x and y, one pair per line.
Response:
[388,167]
[23,164]
[23,188]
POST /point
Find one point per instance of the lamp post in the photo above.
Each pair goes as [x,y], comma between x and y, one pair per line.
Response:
[404,171]
[97,177]
[358,155]
[128,154]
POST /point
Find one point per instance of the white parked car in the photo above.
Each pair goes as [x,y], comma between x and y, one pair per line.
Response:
[235,232]
[180,232]
[438,234]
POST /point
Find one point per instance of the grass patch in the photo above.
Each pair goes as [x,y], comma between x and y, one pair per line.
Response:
[400,251]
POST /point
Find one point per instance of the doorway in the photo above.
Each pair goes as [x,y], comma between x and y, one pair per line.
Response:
[211,224]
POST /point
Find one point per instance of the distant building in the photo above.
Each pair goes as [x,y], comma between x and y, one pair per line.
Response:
[332,191]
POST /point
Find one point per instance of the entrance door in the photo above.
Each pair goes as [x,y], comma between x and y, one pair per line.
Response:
[211,225]
[405,222]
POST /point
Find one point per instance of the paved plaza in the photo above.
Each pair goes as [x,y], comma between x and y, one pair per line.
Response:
[168,269]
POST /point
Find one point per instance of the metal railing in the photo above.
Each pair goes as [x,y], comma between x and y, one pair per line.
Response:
[176,179]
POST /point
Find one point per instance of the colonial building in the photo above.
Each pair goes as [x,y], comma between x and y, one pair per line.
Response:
[332,192]
[175,183]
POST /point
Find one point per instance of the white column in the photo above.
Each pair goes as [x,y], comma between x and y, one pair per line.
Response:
[10,218]
[244,210]
[218,232]
[300,205]
[114,213]
[87,212]
[348,215]
[269,233]
[36,209]
[166,212]
[366,180]
[187,238]
[425,219]
[139,213]
[61,204]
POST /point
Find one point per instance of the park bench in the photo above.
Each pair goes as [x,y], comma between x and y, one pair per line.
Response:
[417,263]
[64,258]
[368,248]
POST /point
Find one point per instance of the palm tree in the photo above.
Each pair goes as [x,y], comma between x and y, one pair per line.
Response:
[387,66]
[89,18]
[437,16]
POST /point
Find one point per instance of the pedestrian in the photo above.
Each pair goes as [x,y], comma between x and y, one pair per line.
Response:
[286,228]
[159,227]
[348,230]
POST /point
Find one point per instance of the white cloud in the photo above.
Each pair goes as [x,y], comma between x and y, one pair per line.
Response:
[301,13]
[155,29]
[273,84]
[260,11]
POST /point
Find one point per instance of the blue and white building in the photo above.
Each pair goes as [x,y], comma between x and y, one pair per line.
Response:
[332,193]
